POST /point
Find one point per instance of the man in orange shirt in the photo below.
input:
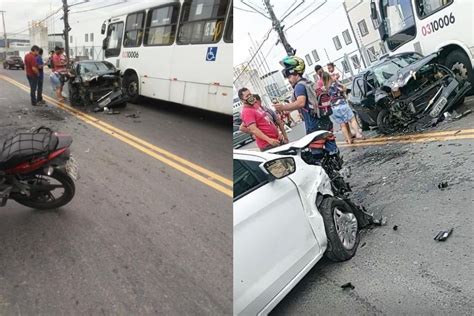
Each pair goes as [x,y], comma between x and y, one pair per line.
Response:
[32,72]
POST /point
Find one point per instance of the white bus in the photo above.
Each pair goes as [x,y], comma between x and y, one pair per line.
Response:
[426,26]
[175,50]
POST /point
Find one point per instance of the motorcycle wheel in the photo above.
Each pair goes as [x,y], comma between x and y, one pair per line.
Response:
[342,229]
[45,200]
[383,123]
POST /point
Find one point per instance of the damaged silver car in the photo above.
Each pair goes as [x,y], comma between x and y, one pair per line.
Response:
[96,83]
[405,88]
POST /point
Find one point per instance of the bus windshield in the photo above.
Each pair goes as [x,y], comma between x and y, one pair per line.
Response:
[399,22]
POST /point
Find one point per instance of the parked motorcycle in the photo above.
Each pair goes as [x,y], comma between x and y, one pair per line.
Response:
[37,170]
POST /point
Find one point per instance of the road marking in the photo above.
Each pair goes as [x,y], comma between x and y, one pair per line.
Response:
[207,177]
[414,138]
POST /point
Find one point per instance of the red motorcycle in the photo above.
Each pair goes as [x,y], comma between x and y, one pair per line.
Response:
[37,170]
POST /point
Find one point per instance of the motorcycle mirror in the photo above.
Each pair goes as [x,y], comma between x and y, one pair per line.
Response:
[102,30]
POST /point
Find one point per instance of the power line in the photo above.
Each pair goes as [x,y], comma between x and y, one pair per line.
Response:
[294,1]
[255,54]
[319,6]
[55,12]
[241,9]
[97,8]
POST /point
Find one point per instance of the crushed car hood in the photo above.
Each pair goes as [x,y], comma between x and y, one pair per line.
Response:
[96,75]
[403,75]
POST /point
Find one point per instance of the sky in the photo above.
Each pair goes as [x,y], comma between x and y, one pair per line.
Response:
[20,12]
[248,22]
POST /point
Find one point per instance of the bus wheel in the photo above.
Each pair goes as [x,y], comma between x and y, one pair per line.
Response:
[130,84]
[460,64]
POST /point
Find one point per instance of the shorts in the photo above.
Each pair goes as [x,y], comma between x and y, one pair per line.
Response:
[342,113]
[55,80]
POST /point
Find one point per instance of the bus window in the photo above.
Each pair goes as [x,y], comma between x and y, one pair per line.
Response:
[114,39]
[161,26]
[229,28]
[134,30]
[399,22]
[426,8]
[202,21]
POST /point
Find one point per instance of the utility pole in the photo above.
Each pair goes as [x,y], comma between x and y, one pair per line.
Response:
[279,29]
[4,32]
[67,28]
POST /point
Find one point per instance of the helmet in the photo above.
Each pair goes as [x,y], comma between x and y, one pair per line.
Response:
[293,65]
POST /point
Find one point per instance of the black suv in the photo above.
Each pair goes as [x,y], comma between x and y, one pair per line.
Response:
[13,62]
[400,89]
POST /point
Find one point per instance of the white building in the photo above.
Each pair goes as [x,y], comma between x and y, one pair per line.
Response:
[38,34]
[247,77]
[320,39]
[366,33]
[85,40]
[275,84]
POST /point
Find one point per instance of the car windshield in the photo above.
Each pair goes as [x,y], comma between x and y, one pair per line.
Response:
[96,67]
[389,68]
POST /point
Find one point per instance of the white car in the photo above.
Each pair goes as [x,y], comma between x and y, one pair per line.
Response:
[285,219]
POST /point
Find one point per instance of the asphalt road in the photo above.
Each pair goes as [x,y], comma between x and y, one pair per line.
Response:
[403,271]
[140,237]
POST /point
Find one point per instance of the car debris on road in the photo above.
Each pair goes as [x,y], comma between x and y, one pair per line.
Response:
[443,235]
[348,285]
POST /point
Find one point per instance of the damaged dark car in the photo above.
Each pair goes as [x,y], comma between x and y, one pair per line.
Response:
[96,83]
[405,88]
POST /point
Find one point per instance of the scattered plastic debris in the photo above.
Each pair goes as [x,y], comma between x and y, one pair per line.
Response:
[382,221]
[363,245]
[443,185]
[348,285]
[133,115]
[443,235]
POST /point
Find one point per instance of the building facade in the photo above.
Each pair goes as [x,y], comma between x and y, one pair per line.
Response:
[365,32]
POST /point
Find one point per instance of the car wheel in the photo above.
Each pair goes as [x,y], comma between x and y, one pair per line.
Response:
[342,229]
[363,125]
[131,85]
[384,123]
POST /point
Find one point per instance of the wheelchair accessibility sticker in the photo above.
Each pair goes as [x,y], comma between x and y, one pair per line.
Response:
[211,54]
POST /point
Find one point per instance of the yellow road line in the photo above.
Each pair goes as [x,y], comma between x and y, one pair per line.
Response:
[415,136]
[413,140]
[142,145]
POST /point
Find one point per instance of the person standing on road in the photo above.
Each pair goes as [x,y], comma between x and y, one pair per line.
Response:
[59,71]
[257,121]
[282,136]
[335,75]
[32,72]
[293,71]
[333,94]
[319,72]
[39,61]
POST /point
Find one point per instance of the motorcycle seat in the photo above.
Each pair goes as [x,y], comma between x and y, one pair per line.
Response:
[26,146]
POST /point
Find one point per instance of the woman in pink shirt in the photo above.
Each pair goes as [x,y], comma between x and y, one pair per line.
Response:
[59,69]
